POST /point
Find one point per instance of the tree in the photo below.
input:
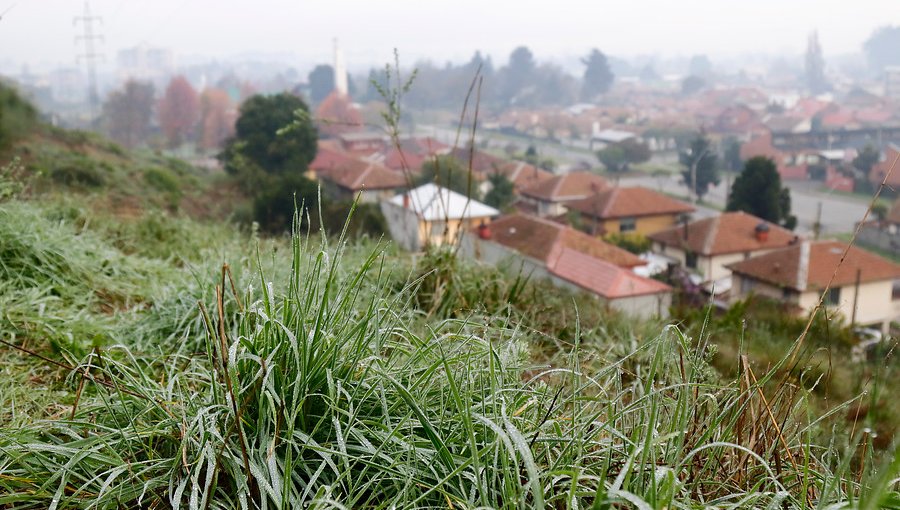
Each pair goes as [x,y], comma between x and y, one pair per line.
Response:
[700,66]
[448,172]
[758,191]
[868,157]
[179,111]
[321,82]
[276,133]
[502,192]
[701,166]
[732,155]
[882,48]
[274,142]
[613,158]
[216,118]
[597,75]
[692,84]
[619,156]
[518,75]
[127,113]
[815,66]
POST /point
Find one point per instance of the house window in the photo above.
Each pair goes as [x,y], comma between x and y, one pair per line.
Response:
[895,290]
[690,260]
[834,296]
[786,294]
[627,224]
[747,285]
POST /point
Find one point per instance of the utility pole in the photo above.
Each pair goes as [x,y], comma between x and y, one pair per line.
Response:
[90,55]
[817,226]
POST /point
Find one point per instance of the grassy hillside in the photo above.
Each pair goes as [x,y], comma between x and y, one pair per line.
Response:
[99,173]
[344,375]
[137,370]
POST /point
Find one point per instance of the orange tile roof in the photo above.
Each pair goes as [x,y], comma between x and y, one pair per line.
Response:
[810,265]
[328,158]
[601,277]
[539,237]
[629,202]
[356,175]
[567,187]
[731,232]
[482,162]
[523,175]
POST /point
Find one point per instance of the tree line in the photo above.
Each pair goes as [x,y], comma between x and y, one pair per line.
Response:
[522,81]
[134,115]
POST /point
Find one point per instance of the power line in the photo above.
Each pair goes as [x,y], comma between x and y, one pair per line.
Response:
[90,55]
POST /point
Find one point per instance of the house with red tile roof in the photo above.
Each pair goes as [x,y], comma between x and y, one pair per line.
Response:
[708,245]
[411,152]
[337,115]
[327,159]
[371,181]
[550,197]
[633,209]
[521,174]
[569,259]
[880,170]
[865,288]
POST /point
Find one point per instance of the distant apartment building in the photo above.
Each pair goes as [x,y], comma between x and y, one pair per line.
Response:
[145,63]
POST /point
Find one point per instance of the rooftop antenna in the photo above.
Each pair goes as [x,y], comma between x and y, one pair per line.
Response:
[90,55]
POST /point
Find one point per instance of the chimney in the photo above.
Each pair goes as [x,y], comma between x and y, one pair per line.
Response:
[484,232]
[406,200]
[762,232]
[340,71]
[684,220]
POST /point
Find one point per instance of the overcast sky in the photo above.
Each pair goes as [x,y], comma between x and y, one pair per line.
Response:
[41,32]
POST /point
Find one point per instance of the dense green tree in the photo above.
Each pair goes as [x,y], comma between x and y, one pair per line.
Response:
[700,66]
[883,48]
[321,82]
[732,155]
[531,155]
[619,156]
[276,133]
[597,75]
[274,142]
[866,159]
[502,192]
[701,166]
[518,76]
[815,66]
[613,158]
[448,172]
[758,191]
[692,84]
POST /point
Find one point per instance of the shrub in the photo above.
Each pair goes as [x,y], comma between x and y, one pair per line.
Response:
[78,173]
